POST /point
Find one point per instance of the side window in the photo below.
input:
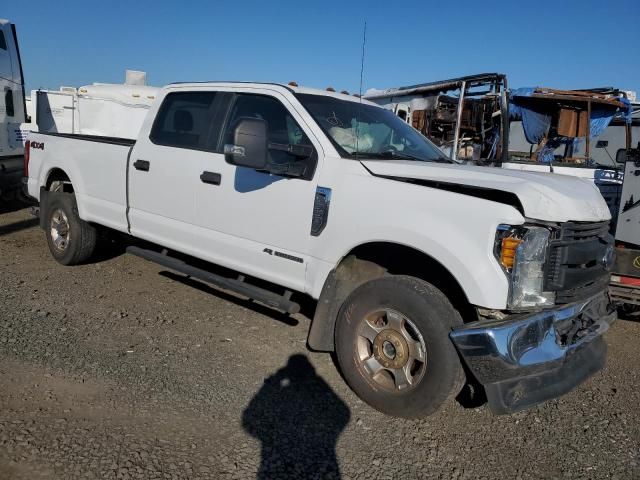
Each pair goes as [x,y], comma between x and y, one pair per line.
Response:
[282,129]
[8,102]
[3,42]
[185,120]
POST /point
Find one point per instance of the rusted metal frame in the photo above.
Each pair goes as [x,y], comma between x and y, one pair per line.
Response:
[505,124]
[577,98]
[587,152]
[456,135]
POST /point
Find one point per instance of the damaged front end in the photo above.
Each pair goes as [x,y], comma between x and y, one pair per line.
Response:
[525,359]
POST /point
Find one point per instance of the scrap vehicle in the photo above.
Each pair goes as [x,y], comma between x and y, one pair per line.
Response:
[466,117]
[539,130]
[12,112]
[427,274]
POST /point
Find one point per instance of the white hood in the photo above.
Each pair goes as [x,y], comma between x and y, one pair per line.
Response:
[544,196]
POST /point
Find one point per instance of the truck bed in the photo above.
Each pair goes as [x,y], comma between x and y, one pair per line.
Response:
[96,166]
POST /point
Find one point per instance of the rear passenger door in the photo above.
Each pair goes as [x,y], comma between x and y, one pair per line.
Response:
[165,168]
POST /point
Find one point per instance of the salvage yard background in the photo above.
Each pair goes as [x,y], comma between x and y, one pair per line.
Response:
[116,370]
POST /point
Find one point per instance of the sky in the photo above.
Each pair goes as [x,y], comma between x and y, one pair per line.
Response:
[558,44]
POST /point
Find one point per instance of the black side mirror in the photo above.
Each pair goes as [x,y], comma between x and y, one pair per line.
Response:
[249,148]
[624,155]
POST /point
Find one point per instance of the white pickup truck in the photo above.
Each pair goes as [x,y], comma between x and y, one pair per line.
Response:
[427,273]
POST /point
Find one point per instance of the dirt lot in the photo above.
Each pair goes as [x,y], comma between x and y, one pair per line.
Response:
[117,370]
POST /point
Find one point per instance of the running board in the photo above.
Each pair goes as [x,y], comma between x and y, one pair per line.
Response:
[280,302]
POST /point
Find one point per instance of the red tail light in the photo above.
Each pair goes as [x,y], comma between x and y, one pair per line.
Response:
[27,151]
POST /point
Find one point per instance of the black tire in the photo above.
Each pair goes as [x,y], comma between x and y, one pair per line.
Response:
[432,315]
[81,235]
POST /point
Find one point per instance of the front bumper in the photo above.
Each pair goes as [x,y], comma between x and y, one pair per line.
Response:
[527,359]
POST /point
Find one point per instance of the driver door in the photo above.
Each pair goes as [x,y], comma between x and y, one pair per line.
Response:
[260,222]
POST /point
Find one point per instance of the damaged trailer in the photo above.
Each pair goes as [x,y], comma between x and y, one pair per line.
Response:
[467,117]
[558,127]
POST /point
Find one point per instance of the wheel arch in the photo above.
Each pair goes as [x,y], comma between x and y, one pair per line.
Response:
[57,174]
[373,260]
[51,179]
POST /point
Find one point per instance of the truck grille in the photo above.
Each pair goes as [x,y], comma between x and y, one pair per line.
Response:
[577,261]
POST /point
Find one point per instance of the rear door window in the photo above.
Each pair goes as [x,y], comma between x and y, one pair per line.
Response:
[186,120]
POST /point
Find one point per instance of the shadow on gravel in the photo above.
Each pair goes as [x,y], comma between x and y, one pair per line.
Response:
[250,304]
[297,418]
[629,313]
[17,226]
[13,206]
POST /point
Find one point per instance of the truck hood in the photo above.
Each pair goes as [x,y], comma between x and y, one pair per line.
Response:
[543,196]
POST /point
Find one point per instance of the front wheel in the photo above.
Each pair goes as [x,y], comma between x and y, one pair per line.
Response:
[393,347]
[71,240]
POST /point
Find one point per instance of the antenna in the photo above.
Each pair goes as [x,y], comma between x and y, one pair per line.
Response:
[364,42]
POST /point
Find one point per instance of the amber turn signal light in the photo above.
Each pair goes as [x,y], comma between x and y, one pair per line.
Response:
[508,251]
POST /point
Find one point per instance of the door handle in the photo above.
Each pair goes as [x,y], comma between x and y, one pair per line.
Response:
[211,178]
[142,165]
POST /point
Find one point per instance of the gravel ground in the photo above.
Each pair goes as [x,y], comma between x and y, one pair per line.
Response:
[117,370]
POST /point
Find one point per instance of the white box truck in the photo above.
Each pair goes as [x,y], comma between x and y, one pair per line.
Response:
[12,112]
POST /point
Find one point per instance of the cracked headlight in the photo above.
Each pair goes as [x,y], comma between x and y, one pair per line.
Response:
[522,253]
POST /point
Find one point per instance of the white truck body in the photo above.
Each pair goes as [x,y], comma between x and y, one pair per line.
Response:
[259,223]
[98,172]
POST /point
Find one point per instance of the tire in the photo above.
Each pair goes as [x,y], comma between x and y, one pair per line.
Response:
[420,318]
[71,240]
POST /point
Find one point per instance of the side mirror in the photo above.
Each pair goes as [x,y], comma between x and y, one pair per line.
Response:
[624,155]
[621,155]
[249,148]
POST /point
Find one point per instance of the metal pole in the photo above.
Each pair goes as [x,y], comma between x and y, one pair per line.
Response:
[456,136]
[506,125]
[587,149]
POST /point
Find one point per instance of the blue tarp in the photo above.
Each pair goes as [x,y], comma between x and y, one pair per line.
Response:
[627,113]
[536,124]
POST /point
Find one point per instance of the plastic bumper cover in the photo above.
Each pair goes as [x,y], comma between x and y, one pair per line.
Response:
[524,360]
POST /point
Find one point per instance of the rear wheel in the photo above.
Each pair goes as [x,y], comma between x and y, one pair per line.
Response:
[393,346]
[71,240]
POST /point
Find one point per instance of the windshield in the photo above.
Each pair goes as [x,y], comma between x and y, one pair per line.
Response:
[362,130]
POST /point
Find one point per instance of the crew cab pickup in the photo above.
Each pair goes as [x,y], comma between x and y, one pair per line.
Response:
[427,274]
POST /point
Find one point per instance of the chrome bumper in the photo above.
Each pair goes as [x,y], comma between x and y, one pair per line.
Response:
[527,359]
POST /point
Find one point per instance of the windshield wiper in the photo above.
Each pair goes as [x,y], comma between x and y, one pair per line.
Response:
[402,156]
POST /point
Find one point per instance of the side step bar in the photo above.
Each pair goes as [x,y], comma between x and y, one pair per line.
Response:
[280,302]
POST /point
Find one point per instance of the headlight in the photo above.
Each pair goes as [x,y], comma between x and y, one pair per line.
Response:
[522,252]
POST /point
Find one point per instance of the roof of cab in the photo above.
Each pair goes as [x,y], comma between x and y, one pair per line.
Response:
[290,88]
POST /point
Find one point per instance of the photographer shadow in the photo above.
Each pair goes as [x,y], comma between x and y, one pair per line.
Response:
[297,418]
